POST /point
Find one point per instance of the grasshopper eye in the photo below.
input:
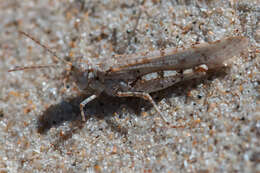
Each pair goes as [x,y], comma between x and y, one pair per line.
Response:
[80,77]
[82,80]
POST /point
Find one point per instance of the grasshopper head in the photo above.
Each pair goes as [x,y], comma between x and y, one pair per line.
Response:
[81,75]
[87,78]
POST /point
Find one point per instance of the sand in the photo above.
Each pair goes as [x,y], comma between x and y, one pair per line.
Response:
[214,122]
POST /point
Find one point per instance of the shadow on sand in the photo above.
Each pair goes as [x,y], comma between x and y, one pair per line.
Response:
[105,106]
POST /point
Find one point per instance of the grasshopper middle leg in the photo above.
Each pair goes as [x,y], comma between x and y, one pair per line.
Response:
[144,96]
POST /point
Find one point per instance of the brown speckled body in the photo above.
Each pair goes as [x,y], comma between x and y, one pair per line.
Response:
[212,54]
[122,77]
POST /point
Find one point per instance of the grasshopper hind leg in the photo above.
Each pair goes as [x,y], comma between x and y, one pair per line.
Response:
[144,96]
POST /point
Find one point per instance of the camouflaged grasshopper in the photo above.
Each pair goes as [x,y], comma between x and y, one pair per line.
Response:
[123,76]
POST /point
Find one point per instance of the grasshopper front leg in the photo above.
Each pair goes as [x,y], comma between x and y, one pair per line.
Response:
[84,103]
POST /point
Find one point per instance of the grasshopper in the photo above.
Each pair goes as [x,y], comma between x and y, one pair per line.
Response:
[122,76]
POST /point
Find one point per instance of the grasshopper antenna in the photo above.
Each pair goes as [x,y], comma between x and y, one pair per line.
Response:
[55,56]
[31,67]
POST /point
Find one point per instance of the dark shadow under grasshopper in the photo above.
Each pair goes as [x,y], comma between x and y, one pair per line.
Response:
[105,106]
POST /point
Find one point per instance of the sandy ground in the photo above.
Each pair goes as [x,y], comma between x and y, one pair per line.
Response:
[214,122]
